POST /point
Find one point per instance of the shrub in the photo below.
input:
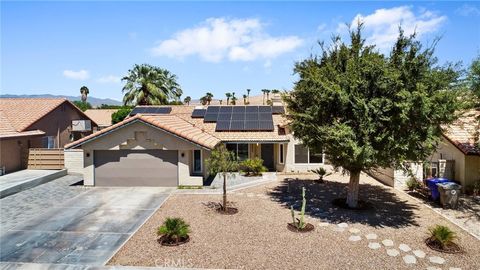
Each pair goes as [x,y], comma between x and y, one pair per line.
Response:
[442,235]
[412,184]
[119,115]
[321,172]
[174,229]
[252,167]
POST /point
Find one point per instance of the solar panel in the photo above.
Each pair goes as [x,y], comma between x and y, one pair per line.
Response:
[265,125]
[265,116]
[278,110]
[151,110]
[222,126]
[224,116]
[251,116]
[198,113]
[213,109]
[264,109]
[238,117]
[210,117]
[237,125]
[238,109]
[251,109]
[251,125]
[226,109]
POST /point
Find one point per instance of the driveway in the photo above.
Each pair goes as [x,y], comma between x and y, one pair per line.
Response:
[87,229]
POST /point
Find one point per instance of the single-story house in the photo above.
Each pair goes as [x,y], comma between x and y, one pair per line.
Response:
[27,123]
[103,117]
[168,145]
[457,156]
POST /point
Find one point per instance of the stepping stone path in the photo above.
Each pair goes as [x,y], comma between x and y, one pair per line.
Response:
[374,245]
[371,236]
[419,253]
[354,230]
[410,259]
[387,243]
[342,225]
[392,252]
[404,248]
[355,238]
[437,260]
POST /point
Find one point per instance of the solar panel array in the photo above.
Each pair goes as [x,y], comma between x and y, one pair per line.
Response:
[151,110]
[278,110]
[199,113]
[240,118]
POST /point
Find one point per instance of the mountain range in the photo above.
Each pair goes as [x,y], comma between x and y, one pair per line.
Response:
[92,100]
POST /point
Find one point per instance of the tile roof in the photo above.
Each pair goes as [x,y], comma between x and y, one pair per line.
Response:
[103,117]
[170,123]
[8,131]
[464,132]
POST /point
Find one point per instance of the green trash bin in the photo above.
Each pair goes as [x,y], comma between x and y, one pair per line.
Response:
[449,194]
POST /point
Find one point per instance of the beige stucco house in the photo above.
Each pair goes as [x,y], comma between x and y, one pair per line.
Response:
[168,146]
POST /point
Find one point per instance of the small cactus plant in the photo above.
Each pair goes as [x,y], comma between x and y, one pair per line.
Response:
[300,222]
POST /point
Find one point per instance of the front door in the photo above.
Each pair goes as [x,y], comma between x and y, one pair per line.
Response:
[267,156]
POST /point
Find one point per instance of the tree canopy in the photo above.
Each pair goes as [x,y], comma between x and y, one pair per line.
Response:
[82,105]
[150,85]
[364,109]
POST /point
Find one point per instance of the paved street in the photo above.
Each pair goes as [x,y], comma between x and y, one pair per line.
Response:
[86,229]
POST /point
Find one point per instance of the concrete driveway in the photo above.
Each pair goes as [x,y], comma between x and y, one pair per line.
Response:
[87,229]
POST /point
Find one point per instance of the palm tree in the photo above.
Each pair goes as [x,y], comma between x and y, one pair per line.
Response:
[204,100]
[248,94]
[268,94]
[234,100]
[84,91]
[228,95]
[187,100]
[221,101]
[150,85]
[209,97]
[264,92]
[244,99]
[275,91]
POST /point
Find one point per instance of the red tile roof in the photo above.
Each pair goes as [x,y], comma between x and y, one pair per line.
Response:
[464,132]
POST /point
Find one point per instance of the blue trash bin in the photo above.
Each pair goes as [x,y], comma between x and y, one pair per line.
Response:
[432,185]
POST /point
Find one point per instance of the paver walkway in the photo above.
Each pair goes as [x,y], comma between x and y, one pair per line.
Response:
[87,229]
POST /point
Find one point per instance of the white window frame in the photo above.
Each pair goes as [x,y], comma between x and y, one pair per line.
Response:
[201,161]
[281,154]
[308,157]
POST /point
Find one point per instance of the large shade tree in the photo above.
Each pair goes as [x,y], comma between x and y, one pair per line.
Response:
[365,110]
[150,85]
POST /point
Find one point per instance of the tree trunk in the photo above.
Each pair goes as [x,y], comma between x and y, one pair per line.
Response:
[353,187]
[225,192]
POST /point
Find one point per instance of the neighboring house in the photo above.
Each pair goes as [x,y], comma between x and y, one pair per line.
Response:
[37,123]
[458,150]
[168,146]
[103,117]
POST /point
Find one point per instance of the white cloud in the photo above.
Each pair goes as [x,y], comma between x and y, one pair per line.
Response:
[322,27]
[76,75]
[468,10]
[220,38]
[381,27]
[109,79]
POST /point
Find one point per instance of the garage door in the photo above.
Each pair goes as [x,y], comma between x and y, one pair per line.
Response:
[136,168]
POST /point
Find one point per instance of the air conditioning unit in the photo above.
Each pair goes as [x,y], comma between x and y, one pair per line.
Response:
[81,125]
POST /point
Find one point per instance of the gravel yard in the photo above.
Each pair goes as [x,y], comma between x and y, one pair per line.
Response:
[257,237]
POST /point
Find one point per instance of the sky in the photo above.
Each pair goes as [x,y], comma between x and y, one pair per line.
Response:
[218,47]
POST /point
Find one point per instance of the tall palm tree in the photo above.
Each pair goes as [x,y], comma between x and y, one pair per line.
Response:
[187,100]
[203,100]
[234,100]
[264,92]
[84,92]
[248,94]
[209,97]
[150,85]
[244,99]
[228,95]
[268,94]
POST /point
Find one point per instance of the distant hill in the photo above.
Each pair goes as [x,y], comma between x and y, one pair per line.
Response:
[92,100]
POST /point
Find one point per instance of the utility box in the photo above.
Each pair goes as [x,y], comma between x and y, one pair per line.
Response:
[81,125]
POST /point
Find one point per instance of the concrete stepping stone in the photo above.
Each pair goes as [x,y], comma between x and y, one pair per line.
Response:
[323,224]
[374,245]
[404,248]
[387,243]
[437,260]
[337,229]
[454,268]
[342,225]
[371,236]
[354,238]
[354,230]
[419,253]
[409,259]
[392,252]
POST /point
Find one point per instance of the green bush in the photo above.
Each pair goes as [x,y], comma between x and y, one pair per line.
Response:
[412,184]
[442,234]
[321,172]
[253,167]
[174,229]
[119,115]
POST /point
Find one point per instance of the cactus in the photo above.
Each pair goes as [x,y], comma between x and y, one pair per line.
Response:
[300,222]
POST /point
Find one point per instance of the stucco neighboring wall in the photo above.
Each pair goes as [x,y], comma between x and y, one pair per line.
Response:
[472,170]
[446,150]
[139,136]
[74,160]
[11,154]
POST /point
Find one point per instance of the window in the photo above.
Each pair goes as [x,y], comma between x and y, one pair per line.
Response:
[197,161]
[306,156]
[240,150]
[280,153]
[48,142]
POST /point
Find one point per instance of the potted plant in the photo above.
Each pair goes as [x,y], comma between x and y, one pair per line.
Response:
[441,239]
[173,232]
[299,224]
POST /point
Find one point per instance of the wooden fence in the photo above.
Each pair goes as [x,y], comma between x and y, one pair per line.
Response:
[46,159]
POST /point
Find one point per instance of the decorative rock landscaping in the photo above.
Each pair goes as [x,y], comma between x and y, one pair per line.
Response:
[387,243]
[392,252]
[437,260]
[342,225]
[374,245]
[371,236]
[355,238]
[404,248]
[409,259]
[354,230]
[419,253]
